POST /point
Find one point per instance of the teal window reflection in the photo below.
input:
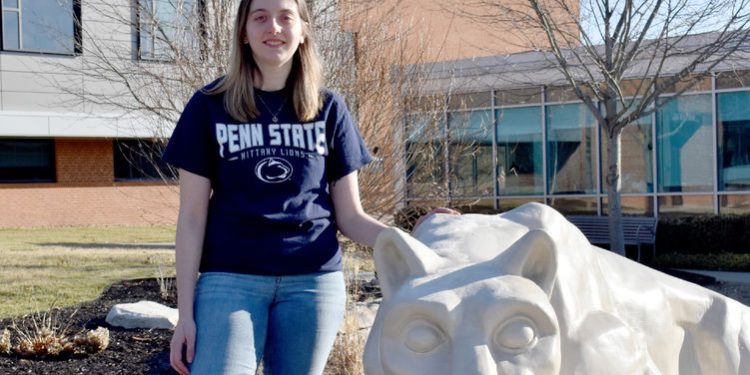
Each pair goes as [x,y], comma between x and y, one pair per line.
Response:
[519,151]
[425,163]
[636,156]
[571,155]
[684,145]
[471,164]
[734,141]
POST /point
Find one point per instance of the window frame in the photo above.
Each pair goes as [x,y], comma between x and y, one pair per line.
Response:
[50,169]
[139,24]
[77,32]
[135,171]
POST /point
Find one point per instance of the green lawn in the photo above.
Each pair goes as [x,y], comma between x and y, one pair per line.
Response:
[54,267]
[45,267]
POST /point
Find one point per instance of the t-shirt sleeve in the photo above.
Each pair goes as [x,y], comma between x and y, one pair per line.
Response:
[191,145]
[348,151]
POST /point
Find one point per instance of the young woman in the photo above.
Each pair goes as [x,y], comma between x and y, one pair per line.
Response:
[268,166]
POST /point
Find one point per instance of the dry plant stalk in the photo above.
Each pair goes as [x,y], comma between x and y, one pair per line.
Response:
[166,285]
[348,349]
[93,341]
[5,342]
[44,336]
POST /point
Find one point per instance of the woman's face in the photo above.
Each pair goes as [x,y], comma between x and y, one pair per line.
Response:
[274,31]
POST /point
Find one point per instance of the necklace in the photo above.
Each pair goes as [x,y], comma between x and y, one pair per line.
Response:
[274,115]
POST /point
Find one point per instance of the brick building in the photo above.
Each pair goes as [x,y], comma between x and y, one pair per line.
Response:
[65,160]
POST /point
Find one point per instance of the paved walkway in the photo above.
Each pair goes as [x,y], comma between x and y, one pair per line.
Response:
[731,277]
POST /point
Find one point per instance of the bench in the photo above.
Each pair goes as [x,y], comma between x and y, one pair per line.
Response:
[637,231]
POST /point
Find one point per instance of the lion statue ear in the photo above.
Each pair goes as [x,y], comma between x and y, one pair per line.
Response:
[398,257]
[534,257]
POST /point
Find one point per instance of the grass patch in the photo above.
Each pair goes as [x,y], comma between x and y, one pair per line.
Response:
[42,267]
[716,262]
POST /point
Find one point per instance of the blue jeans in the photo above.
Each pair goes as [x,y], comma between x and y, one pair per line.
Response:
[289,321]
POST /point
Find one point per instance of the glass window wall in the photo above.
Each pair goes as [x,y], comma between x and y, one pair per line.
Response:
[671,205]
[425,160]
[574,205]
[471,164]
[571,150]
[684,145]
[734,204]
[636,156]
[673,162]
[734,140]
[632,205]
[519,151]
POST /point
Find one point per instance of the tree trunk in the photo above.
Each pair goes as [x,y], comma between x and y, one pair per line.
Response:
[613,192]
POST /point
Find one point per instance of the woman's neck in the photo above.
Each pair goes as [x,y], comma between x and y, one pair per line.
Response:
[272,78]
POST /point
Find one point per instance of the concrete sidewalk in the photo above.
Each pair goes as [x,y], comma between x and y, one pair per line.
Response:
[731,277]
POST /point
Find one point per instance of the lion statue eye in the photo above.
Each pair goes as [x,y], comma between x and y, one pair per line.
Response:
[516,335]
[422,337]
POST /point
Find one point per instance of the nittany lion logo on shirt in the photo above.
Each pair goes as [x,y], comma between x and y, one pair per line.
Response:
[273,170]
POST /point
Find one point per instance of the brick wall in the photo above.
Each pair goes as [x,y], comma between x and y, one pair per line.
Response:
[85,193]
[110,205]
[84,162]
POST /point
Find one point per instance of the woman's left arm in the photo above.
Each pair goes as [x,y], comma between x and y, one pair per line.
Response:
[351,219]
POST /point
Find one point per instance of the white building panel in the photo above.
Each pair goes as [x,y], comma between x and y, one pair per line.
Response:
[42,102]
[23,125]
[40,82]
[75,126]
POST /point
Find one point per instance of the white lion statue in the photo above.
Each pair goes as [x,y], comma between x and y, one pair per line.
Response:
[524,292]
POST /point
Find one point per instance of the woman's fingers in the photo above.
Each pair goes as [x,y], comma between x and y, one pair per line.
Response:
[190,342]
[175,352]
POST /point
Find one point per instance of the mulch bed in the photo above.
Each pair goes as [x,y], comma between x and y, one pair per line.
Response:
[130,351]
[143,351]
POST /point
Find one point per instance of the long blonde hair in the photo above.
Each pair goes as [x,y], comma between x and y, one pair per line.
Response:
[306,76]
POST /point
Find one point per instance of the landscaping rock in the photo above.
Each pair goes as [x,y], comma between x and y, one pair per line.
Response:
[365,312]
[142,314]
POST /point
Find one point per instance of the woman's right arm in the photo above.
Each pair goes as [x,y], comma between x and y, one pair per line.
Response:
[195,191]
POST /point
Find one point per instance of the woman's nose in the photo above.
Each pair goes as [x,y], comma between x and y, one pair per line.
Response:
[274,27]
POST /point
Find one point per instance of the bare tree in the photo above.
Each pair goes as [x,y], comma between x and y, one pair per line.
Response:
[623,55]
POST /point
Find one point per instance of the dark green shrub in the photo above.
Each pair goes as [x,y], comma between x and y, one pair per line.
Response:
[718,261]
[704,234]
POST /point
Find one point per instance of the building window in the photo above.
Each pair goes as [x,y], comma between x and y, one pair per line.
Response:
[571,149]
[139,159]
[636,157]
[48,26]
[684,134]
[424,155]
[471,153]
[519,151]
[734,141]
[27,160]
[168,27]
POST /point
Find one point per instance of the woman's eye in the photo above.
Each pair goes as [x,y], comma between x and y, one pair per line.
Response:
[516,335]
[259,18]
[422,337]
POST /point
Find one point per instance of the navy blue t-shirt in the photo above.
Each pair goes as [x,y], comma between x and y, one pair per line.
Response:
[271,211]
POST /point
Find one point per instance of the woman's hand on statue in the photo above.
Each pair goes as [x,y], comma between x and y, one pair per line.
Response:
[439,210]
